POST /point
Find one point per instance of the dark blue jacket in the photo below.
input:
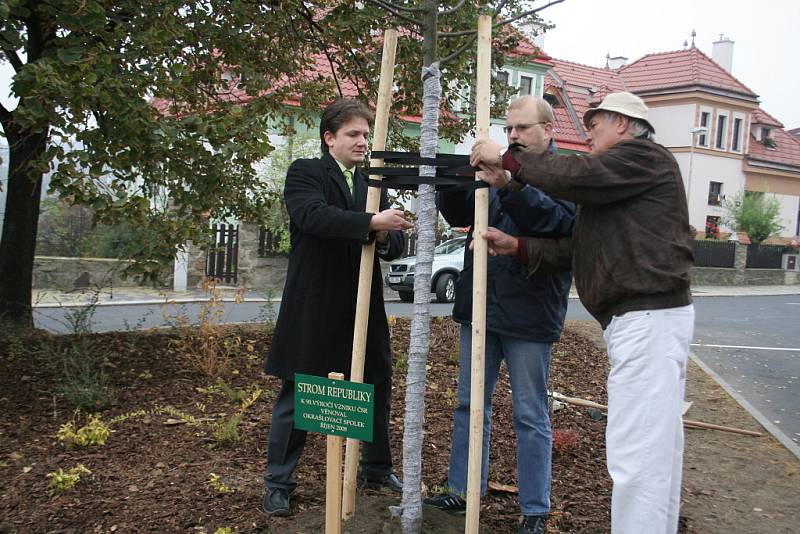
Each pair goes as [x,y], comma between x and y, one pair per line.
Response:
[530,308]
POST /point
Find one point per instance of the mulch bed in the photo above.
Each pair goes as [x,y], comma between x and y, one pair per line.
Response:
[153,473]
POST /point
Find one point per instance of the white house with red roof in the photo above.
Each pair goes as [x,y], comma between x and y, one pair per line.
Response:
[723,141]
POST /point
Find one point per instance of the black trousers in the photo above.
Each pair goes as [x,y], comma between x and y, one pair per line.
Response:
[285,442]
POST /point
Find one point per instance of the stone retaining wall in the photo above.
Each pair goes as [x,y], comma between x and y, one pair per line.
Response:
[66,274]
[715,276]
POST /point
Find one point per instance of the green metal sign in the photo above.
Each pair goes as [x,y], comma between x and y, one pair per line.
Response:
[333,407]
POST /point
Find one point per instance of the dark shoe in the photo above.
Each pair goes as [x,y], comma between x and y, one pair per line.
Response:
[533,524]
[389,481]
[276,502]
[449,502]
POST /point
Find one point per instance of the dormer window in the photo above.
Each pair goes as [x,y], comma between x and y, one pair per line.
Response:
[552,100]
[766,138]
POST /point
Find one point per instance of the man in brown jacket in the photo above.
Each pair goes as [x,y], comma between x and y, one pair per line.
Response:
[630,255]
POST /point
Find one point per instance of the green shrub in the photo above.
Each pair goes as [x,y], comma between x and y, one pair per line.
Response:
[83,382]
[226,432]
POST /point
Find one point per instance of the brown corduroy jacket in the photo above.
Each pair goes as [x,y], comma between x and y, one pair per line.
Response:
[631,245]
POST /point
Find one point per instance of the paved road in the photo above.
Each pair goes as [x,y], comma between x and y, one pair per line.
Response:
[109,318]
[752,343]
[757,352]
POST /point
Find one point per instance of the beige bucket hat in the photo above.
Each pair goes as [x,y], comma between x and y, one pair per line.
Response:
[623,103]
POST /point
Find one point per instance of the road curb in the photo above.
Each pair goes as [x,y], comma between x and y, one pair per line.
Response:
[768,425]
[152,302]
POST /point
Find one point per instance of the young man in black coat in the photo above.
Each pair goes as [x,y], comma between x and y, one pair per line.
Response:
[326,200]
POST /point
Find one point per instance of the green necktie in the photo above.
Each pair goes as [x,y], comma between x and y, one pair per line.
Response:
[348,176]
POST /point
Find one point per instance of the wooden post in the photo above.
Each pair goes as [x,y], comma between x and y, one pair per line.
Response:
[333,479]
[367,260]
[686,422]
[482,92]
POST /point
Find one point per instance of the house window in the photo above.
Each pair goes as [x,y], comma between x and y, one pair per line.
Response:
[472,99]
[797,230]
[714,193]
[737,129]
[765,133]
[502,77]
[722,122]
[712,227]
[525,85]
[552,100]
[702,139]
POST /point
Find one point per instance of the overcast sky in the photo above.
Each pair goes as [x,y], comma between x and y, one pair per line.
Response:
[764,56]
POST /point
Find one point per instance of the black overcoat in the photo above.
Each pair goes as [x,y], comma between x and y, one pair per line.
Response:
[314,331]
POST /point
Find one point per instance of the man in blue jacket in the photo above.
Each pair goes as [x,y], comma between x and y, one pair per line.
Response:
[524,317]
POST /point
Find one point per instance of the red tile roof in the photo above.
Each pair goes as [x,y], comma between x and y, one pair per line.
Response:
[682,68]
[580,86]
[760,116]
[786,151]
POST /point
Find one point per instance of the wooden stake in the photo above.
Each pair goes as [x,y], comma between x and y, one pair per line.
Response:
[482,92]
[333,479]
[686,422]
[367,260]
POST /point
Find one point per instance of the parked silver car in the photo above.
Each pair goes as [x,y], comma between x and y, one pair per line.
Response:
[448,260]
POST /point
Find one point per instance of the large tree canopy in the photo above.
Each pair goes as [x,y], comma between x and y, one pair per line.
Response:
[154,112]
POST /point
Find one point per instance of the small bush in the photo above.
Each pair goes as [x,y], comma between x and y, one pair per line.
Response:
[83,382]
[564,439]
[226,433]
[216,483]
[61,481]
[401,364]
[94,432]
[207,348]
[177,414]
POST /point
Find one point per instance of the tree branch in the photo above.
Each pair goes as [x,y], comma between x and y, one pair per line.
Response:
[453,9]
[499,7]
[315,32]
[406,8]
[13,58]
[451,35]
[390,9]
[526,14]
[5,117]
[458,51]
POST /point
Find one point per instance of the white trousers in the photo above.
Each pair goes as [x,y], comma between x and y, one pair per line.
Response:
[644,437]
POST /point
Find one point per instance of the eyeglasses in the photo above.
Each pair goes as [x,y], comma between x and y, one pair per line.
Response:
[520,128]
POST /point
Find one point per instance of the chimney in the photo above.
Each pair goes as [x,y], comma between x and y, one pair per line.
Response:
[534,31]
[722,53]
[617,62]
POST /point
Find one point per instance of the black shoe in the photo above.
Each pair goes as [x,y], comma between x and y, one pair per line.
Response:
[533,524]
[389,481]
[449,502]
[276,502]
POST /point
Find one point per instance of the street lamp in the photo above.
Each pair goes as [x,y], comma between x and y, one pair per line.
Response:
[694,132]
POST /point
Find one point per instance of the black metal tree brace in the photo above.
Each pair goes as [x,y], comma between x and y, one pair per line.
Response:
[453,172]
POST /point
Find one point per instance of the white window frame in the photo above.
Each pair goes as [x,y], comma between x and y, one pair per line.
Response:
[509,73]
[726,127]
[532,78]
[704,136]
[742,136]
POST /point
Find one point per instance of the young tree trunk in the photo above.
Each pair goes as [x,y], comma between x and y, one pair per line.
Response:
[18,241]
[421,323]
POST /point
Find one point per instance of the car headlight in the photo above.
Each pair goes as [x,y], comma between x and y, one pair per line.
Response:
[410,269]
